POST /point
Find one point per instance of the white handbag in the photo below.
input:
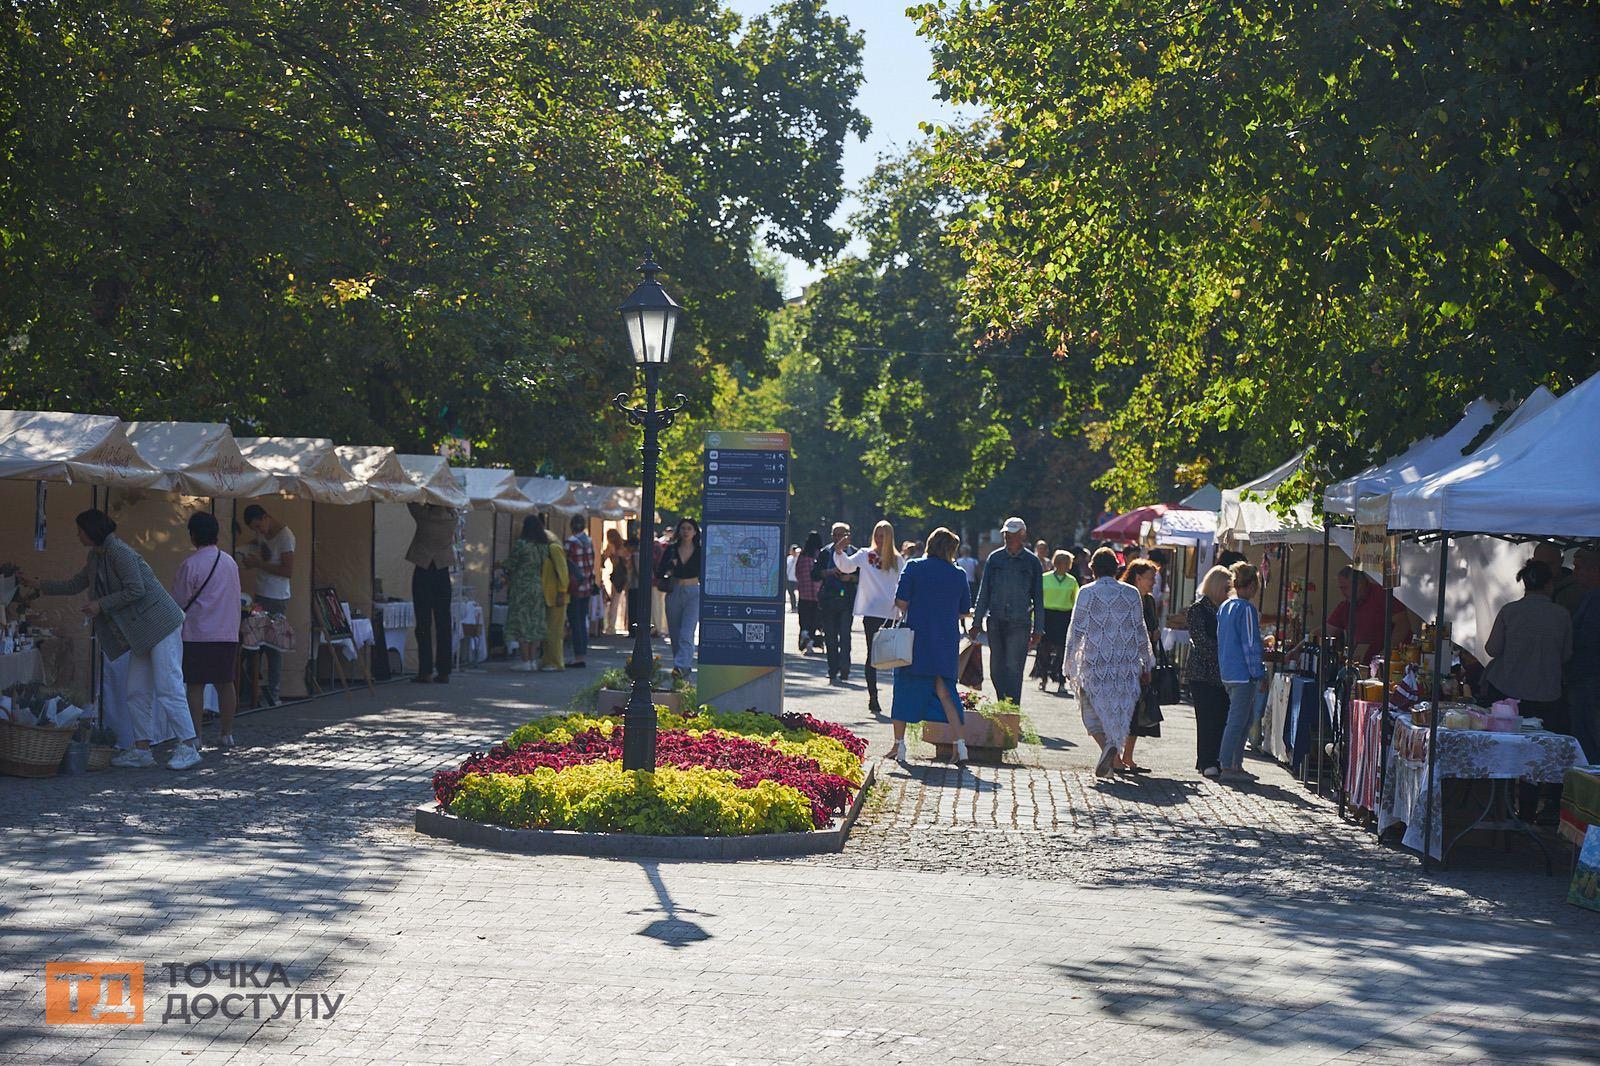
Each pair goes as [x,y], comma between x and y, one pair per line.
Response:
[891,647]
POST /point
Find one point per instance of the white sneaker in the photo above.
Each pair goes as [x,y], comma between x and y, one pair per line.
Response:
[183,757]
[134,759]
[1108,759]
[1211,772]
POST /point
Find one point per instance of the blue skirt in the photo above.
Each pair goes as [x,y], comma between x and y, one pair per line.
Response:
[915,699]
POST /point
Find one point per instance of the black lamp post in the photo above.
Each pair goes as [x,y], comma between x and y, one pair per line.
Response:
[651,317]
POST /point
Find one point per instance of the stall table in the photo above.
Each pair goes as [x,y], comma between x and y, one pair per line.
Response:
[398,616]
[21,666]
[1535,756]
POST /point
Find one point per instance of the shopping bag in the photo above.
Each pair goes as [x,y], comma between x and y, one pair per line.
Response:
[1149,710]
[891,647]
[1164,678]
[969,665]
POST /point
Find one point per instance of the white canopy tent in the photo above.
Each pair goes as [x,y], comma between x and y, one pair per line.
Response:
[1185,529]
[493,489]
[75,448]
[1412,465]
[1536,480]
[379,469]
[1244,519]
[199,459]
[599,501]
[549,494]
[305,466]
[432,474]
[1205,498]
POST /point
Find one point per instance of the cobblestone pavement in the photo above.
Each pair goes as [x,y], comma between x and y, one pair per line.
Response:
[1018,913]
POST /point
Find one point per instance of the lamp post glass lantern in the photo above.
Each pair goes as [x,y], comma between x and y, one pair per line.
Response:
[650,316]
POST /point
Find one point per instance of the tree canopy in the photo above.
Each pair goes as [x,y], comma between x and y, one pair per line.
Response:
[1257,228]
[393,221]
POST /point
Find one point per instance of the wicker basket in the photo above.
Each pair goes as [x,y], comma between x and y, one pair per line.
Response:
[32,750]
[100,756]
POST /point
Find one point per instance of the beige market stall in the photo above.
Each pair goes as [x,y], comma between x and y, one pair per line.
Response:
[318,499]
[393,529]
[494,500]
[53,465]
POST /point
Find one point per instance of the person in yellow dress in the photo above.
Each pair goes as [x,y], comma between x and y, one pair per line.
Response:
[553,579]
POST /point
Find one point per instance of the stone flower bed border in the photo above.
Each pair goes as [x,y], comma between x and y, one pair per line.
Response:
[430,821]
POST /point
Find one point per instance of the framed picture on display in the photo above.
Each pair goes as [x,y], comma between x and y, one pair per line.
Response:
[327,613]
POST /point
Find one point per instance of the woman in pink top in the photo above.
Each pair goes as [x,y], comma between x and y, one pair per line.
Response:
[207,588]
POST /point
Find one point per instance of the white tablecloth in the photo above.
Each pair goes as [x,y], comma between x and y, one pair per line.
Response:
[398,615]
[1472,754]
[21,666]
[1173,639]
[360,637]
[1276,714]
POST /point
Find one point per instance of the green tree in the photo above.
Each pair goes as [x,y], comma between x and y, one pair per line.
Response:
[1266,226]
[391,221]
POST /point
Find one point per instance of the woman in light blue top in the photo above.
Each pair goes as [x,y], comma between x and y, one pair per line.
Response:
[1239,662]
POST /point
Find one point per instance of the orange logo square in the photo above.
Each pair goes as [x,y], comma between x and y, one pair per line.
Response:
[93,993]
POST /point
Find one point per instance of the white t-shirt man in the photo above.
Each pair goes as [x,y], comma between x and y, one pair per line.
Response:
[969,566]
[273,549]
[794,557]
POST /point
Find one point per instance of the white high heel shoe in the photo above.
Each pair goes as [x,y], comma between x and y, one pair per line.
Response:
[961,752]
[900,752]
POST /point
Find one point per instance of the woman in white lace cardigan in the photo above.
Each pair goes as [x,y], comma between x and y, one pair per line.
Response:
[1108,657]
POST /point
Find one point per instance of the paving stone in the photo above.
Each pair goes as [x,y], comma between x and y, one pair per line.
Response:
[1019,913]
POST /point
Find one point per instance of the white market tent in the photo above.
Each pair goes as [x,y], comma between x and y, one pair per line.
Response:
[379,469]
[305,466]
[1412,465]
[1244,519]
[439,485]
[1536,480]
[333,536]
[1185,529]
[550,494]
[599,501]
[74,448]
[54,465]
[199,459]
[493,489]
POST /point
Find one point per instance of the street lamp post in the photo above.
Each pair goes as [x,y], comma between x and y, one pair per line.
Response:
[651,318]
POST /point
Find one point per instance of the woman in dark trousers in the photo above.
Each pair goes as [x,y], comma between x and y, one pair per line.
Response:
[1204,677]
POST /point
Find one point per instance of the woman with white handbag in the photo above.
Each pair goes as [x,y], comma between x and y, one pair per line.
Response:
[879,568]
[935,599]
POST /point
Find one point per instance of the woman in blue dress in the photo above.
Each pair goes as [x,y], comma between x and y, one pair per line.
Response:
[934,599]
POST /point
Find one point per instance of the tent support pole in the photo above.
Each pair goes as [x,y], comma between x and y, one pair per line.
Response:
[1433,717]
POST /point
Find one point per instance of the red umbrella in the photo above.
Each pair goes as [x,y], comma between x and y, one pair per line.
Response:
[1124,529]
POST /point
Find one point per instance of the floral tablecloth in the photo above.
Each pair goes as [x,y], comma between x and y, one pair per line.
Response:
[1539,757]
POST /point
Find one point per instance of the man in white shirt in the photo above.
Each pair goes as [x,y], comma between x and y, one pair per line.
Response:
[969,566]
[273,563]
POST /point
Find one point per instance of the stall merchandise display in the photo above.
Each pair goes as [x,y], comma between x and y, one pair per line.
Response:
[1580,802]
[1530,754]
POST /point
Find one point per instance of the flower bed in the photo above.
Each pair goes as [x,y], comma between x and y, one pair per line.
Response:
[717,774]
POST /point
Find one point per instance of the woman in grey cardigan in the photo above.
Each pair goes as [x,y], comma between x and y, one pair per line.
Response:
[134,616]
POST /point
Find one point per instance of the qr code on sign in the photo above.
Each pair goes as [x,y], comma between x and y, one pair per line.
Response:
[755,632]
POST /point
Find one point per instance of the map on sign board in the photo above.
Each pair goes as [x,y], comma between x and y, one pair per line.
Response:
[740,561]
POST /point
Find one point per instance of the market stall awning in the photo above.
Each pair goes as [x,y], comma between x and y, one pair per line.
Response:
[1412,465]
[549,494]
[1126,528]
[601,501]
[1181,529]
[1245,517]
[77,448]
[1536,480]
[493,489]
[305,466]
[432,474]
[379,469]
[199,459]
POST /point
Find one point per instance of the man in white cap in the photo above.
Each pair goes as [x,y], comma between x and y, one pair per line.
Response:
[1011,603]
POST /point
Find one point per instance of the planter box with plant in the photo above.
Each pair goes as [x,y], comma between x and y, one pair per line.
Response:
[990,728]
